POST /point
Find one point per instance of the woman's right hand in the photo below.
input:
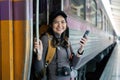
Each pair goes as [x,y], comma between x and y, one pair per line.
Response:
[38,48]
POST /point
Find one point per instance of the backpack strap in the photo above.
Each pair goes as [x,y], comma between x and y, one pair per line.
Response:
[50,52]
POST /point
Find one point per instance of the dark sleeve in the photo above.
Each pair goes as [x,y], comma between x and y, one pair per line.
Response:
[44,40]
[75,59]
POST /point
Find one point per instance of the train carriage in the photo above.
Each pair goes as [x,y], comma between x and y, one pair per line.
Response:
[18,22]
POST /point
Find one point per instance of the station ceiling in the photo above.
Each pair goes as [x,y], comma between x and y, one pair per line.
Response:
[115,11]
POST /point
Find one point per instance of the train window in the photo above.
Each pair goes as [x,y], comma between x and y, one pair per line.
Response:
[110,29]
[77,7]
[91,11]
[104,23]
[107,26]
[99,19]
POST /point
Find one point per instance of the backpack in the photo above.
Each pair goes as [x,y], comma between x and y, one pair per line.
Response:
[51,49]
[43,29]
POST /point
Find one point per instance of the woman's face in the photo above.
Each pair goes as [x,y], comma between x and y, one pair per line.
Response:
[59,25]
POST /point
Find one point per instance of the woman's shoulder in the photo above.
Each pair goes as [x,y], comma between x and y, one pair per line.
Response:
[44,37]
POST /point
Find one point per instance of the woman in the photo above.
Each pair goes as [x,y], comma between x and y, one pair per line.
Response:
[62,62]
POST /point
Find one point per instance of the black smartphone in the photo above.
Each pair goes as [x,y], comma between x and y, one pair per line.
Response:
[86,33]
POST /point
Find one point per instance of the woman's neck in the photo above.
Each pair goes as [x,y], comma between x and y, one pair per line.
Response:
[57,35]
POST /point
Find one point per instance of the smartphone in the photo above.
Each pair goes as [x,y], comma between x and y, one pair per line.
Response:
[86,33]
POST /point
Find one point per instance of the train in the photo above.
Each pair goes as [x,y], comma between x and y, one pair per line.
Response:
[18,24]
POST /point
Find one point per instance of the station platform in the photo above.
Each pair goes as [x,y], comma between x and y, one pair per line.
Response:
[112,69]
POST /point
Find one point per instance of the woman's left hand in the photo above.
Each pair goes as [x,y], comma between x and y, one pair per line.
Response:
[83,42]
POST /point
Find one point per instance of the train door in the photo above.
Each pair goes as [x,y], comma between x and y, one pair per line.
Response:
[41,10]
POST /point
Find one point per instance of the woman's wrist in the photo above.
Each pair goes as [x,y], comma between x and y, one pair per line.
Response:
[80,52]
[39,56]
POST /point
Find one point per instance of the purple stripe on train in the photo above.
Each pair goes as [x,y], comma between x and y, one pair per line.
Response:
[19,10]
[0,10]
[5,10]
[12,10]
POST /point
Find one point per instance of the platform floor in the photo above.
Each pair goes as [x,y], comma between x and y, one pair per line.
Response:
[112,69]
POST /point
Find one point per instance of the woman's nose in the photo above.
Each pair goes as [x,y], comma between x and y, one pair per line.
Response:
[59,24]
